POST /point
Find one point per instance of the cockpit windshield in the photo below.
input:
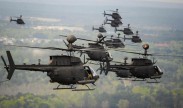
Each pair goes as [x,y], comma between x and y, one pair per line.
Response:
[91,70]
[157,69]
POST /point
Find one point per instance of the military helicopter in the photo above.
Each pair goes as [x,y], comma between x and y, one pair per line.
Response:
[19,20]
[141,68]
[116,21]
[100,29]
[114,42]
[63,69]
[126,31]
[98,52]
[135,38]
[114,15]
[121,73]
[112,23]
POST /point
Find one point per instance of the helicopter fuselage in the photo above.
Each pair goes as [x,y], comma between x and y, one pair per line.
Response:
[128,31]
[114,43]
[62,69]
[136,39]
[99,55]
[140,68]
[18,21]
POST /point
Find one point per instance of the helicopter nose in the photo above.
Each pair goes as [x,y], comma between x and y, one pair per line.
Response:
[161,73]
[110,58]
[96,77]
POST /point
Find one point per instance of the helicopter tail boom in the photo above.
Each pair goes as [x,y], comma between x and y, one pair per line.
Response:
[11,65]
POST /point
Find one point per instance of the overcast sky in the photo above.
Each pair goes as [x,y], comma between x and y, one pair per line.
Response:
[96,1]
[131,3]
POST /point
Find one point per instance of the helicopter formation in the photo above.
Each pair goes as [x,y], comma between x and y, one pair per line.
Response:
[71,71]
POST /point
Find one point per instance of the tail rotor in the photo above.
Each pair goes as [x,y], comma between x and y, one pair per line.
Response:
[5,65]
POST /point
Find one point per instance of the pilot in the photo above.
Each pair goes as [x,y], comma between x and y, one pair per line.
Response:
[89,76]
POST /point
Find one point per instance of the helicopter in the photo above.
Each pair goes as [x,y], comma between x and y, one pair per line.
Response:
[100,29]
[63,69]
[116,21]
[19,20]
[126,31]
[114,15]
[98,52]
[112,23]
[135,38]
[141,68]
[114,42]
[121,73]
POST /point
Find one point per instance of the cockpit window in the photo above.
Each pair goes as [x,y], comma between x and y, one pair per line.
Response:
[157,69]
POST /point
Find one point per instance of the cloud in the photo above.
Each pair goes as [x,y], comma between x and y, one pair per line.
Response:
[45,19]
[58,28]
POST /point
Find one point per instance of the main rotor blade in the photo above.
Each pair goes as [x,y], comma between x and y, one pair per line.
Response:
[150,54]
[80,38]
[54,48]
[50,48]
[100,41]
[133,52]
[86,40]
[154,54]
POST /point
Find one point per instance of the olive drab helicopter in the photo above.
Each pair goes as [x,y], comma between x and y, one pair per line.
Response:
[18,20]
[63,69]
[98,52]
[135,38]
[100,29]
[140,68]
[114,42]
[126,31]
[112,23]
[121,73]
[114,15]
[116,21]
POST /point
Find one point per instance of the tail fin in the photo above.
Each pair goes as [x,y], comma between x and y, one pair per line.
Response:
[10,19]
[104,13]
[11,65]
[93,28]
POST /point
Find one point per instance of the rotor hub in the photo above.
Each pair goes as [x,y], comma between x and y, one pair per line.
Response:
[100,35]
[145,46]
[71,39]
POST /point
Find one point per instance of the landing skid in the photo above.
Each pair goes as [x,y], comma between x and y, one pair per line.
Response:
[88,89]
[138,79]
[73,88]
[58,88]
[152,81]
[124,79]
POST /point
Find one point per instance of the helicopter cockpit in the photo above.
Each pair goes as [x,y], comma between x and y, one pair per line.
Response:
[109,56]
[158,70]
[90,73]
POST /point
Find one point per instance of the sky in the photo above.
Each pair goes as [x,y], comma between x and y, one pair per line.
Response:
[105,2]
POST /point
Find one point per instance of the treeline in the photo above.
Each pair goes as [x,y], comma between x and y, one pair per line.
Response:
[124,97]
